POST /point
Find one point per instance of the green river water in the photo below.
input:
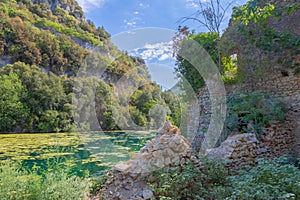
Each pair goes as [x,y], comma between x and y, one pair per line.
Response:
[94,152]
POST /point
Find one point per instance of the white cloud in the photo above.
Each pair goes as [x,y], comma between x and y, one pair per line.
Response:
[136,12]
[165,56]
[132,23]
[194,4]
[89,4]
[144,5]
[157,52]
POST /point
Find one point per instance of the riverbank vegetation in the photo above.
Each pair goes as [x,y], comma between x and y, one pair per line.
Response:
[271,179]
[50,184]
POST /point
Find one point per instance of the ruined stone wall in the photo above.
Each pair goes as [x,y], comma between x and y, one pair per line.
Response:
[279,139]
[237,151]
[282,84]
[242,150]
[199,119]
[263,73]
[284,137]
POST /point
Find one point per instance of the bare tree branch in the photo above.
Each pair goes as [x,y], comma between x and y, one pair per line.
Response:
[211,14]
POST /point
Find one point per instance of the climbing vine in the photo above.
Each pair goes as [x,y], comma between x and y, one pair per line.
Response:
[254,24]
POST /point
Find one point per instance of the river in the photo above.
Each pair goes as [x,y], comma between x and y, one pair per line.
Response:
[94,152]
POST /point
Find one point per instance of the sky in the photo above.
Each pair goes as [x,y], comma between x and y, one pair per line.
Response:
[145,28]
[122,15]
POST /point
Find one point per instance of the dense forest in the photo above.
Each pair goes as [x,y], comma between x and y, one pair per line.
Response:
[43,48]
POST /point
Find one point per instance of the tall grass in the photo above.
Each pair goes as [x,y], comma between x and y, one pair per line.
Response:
[57,184]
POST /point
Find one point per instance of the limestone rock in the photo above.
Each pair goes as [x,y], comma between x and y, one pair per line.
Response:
[122,166]
[168,128]
[168,148]
[237,151]
[147,194]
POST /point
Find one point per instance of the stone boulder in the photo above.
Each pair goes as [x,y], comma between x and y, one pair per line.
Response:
[168,148]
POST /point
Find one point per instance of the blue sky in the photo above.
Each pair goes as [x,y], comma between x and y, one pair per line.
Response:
[129,22]
[122,15]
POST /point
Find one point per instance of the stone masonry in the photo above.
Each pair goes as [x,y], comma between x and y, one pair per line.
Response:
[168,148]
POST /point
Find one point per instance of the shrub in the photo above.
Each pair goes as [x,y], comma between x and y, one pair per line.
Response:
[268,180]
[189,182]
[252,112]
[17,183]
[98,183]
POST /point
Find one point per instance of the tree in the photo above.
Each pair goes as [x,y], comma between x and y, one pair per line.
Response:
[187,70]
[45,95]
[12,111]
[211,15]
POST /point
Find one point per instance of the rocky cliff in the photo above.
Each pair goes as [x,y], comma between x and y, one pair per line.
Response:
[69,5]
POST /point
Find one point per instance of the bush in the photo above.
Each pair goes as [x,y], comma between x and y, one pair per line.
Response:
[268,180]
[250,113]
[17,183]
[189,182]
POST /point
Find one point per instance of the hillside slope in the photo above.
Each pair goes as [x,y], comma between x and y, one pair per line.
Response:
[51,60]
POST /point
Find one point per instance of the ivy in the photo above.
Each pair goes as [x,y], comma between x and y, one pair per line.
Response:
[252,112]
[254,17]
[254,25]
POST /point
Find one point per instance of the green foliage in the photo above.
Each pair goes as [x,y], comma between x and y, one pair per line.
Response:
[268,180]
[84,35]
[45,99]
[37,101]
[297,70]
[138,117]
[210,42]
[149,106]
[175,106]
[253,24]
[230,69]
[185,69]
[189,182]
[17,183]
[248,113]
[253,12]
[44,47]
[25,43]
[177,183]
[98,183]
[13,112]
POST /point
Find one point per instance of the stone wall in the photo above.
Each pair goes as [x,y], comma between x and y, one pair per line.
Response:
[169,148]
[262,74]
[193,117]
[237,151]
[280,138]
[281,85]
[199,119]
[242,150]
[285,86]
[290,22]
